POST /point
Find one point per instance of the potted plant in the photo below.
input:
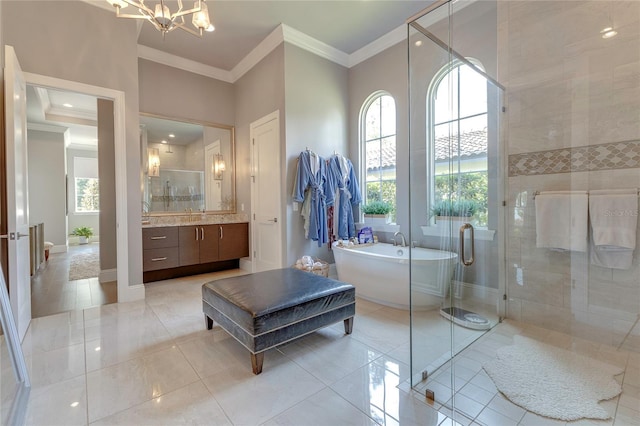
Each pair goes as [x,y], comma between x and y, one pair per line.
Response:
[377,212]
[83,233]
[454,210]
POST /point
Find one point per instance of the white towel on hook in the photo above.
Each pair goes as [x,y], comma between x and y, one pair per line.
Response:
[614,224]
[561,220]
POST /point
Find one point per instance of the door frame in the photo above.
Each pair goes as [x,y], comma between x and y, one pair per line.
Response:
[125,292]
[254,234]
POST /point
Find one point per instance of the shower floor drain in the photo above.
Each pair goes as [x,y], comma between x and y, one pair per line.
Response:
[476,319]
[465,318]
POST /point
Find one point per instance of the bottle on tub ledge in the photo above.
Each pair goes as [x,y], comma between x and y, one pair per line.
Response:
[365,235]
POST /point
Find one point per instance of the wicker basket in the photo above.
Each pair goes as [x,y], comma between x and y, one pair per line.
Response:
[322,270]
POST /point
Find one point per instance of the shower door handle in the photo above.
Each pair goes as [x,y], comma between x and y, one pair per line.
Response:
[467,262]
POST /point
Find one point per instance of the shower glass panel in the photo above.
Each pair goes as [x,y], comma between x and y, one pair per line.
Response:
[456,170]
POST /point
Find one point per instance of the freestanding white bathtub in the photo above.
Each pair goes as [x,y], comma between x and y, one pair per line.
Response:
[380,273]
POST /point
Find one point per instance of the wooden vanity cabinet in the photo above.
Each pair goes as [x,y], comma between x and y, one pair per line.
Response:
[160,248]
[175,251]
[234,241]
[198,244]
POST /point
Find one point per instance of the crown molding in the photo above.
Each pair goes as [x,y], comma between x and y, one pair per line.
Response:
[42,95]
[72,119]
[56,113]
[310,44]
[381,44]
[282,33]
[258,53]
[82,147]
[279,35]
[102,4]
[51,128]
[151,54]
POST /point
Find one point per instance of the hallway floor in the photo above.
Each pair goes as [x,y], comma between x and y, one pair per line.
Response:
[153,362]
[52,292]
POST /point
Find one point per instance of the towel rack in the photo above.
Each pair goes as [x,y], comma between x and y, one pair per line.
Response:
[535,193]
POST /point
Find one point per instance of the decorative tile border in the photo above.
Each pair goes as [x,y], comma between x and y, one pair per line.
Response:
[608,156]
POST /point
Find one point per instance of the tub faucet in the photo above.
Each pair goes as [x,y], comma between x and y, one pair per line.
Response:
[395,241]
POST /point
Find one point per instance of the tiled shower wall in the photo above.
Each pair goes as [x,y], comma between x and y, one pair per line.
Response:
[572,123]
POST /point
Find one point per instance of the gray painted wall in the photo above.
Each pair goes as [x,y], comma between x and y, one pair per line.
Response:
[317,101]
[258,93]
[47,184]
[98,50]
[107,179]
[386,71]
[184,95]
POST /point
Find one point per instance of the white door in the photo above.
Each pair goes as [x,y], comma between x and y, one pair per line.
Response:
[17,192]
[212,186]
[265,193]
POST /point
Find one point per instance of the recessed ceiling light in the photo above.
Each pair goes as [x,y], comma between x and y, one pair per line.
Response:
[171,135]
[75,404]
[164,141]
[67,105]
[418,43]
[608,32]
[97,349]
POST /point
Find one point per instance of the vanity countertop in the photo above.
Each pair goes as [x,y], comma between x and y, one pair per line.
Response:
[194,219]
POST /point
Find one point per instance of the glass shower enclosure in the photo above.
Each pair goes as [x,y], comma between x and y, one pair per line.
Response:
[456,194]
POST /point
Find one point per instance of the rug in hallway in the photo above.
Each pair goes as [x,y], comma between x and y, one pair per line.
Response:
[84,265]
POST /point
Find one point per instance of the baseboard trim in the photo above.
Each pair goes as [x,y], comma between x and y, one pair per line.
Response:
[108,275]
[131,293]
[246,264]
[58,249]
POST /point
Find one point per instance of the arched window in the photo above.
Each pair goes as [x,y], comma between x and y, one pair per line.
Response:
[378,147]
[458,134]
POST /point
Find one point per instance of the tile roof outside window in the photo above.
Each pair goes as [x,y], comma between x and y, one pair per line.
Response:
[473,144]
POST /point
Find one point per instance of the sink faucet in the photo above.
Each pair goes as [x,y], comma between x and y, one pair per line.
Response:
[395,241]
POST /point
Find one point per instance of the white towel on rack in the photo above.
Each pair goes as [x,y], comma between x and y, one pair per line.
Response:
[561,220]
[614,224]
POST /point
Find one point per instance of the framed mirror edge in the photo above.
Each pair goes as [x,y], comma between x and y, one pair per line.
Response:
[232,136]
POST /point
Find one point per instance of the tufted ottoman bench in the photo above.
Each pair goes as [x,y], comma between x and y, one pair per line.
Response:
[266,309]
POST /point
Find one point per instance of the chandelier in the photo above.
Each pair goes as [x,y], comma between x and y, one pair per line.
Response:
[161,17]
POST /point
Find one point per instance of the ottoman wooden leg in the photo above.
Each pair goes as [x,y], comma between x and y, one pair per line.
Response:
[208,322]
[256,362]
[348,325]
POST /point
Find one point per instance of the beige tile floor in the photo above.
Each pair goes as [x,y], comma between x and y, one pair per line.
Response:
[153,362]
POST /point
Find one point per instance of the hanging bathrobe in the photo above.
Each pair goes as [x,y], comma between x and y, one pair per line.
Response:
[343,178]
[312,174]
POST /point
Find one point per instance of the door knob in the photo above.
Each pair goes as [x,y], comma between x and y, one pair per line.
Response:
[14,235]
[274,220]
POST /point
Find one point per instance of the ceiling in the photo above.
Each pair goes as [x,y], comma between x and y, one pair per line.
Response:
[59,111]
[241,25]
[346,25]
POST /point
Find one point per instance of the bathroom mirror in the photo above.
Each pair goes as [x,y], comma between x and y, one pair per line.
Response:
[187,166]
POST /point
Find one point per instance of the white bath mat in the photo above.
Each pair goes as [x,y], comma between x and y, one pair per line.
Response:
[553,382]
[84,265]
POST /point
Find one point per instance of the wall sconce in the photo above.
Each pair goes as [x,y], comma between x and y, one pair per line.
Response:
[218,166]
[154,161]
